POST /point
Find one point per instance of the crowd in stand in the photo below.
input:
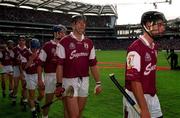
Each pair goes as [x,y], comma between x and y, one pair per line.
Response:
[29,15]
[112,44]
[169,43]
[32,16]
[164,43]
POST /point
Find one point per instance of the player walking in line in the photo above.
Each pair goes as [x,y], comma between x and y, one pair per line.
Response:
[77,54]
[29,65]
[140,75]
[6,59]
[47,60]
[18,73]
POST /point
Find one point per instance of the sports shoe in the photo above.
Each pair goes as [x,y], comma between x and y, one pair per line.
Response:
[13,100]
[10,94]
[21,101]
[38,109]
[24,109]
[34,114]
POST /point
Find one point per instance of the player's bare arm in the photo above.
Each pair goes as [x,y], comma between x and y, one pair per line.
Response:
[59,74]
[95,74]
[139,95]
[31,59]
[22,76]
[40,82]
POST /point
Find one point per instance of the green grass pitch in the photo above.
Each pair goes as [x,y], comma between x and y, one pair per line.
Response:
[109,103]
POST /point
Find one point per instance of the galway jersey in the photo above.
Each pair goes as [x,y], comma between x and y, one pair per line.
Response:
[47,57]
[32,69]
[76,56]
[6,57]
[141,65]
[17,52]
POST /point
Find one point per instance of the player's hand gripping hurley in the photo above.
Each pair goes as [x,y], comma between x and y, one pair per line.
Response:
[69,93]
[128,98]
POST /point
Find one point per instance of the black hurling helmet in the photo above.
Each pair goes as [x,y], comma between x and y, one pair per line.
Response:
[59,28]
[75,18]
[152,17]
[35,44]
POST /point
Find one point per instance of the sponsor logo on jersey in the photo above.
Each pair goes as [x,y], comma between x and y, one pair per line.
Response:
[149,68]
[86,46]
[74,54]
[147,57]
[72,46]
[130,59]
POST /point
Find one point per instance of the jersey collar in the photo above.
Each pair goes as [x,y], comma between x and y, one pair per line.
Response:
[143,39]
[54,42]
[72,35]
[21,48]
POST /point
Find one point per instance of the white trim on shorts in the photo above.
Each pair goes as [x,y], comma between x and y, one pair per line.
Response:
[152,102]
[81,86]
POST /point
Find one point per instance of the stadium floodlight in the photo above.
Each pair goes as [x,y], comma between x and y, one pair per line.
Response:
[170,2]
[155,5]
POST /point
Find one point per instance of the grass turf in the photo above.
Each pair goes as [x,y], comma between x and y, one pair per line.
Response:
[109,103]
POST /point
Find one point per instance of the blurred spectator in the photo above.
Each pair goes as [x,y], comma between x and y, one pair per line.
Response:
[174,59]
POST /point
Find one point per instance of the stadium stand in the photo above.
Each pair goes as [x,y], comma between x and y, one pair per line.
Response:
[102,28]
[15,21]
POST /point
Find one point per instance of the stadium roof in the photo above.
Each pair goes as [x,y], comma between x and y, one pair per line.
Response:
[63,6]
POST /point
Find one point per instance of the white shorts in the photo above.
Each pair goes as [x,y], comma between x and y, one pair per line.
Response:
[7,69]
[31,81]
[50,82]
[16,72]
[152,102]
[81,86]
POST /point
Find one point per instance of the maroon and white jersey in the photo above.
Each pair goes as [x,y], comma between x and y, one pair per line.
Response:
[32,69]
[76,56]
[47,57]
[6,57]
[141,65]
[17,52]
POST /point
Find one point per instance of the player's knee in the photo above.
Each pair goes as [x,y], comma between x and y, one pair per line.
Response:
[31,97]
[41,95]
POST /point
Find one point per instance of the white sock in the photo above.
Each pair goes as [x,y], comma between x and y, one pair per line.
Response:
[25,100]
[37,101]
[45,116]
[33,109]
